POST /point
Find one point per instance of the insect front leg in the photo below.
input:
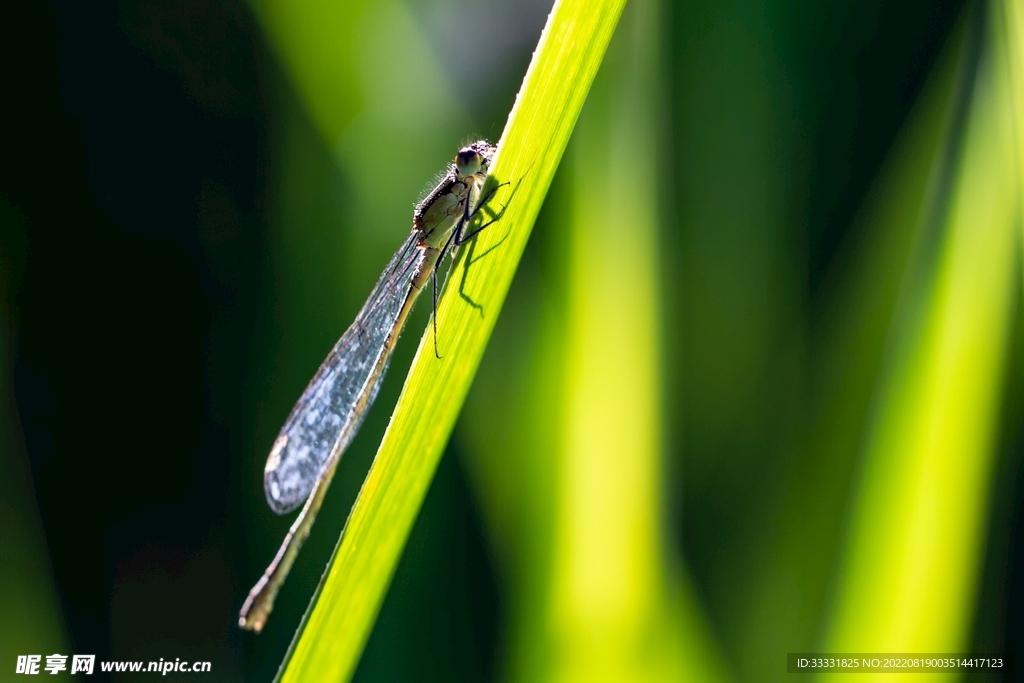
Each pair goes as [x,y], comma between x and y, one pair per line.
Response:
[468,216]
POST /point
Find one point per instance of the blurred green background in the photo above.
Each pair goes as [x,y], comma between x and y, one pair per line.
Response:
[758,386]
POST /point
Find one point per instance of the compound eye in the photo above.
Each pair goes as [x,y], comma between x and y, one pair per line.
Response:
[468,161]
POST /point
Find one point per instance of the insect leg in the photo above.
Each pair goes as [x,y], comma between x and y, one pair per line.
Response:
[433,279]
[461,239]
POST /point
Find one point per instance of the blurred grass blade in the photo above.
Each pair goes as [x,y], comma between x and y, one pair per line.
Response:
[614,610]
[331,639]
[862,292]
[1012,18]
[315,40]
[908,576]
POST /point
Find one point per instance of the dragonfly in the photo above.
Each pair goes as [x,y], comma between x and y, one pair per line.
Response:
[325,419]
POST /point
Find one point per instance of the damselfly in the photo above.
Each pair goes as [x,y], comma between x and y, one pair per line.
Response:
[320,427]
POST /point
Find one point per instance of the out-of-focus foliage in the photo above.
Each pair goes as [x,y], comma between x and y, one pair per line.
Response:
[757,386]
[908,574]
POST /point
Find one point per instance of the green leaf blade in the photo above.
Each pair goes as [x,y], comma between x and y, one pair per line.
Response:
[554,89]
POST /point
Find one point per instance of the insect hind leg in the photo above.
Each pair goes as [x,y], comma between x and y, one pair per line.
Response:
[448,247]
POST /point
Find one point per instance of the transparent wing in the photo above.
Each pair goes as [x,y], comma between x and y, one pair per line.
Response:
[332,407]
